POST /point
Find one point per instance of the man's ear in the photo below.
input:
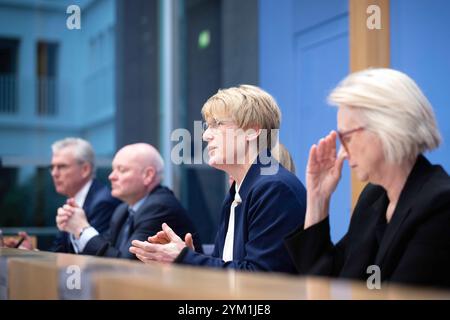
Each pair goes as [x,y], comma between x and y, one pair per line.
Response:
[86,170]
[149,175]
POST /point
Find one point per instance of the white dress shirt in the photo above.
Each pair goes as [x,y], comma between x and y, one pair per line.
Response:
[80,198]
[229,238]
[90,232]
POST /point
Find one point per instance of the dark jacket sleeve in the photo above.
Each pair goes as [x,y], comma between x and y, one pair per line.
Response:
[99,246]
[273,212]
[103,211]
[147,225]
[313,252]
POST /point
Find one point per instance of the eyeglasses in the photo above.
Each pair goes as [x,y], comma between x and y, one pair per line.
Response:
[61,167]
[215,124]
[344,136]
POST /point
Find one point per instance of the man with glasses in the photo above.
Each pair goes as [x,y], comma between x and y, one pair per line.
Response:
[73,173]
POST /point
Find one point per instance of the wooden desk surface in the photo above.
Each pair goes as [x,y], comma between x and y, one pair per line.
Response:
[43,275]
[172,282]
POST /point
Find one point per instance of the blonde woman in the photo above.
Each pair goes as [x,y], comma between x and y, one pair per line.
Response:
[265,202]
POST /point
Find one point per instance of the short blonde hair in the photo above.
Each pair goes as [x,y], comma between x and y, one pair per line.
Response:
[394,108]
[248,106]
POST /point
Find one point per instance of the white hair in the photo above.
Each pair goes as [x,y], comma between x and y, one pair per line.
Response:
[394,108]
[82,150]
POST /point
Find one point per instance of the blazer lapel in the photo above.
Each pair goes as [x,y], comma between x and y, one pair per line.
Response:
[223,225]
[404,207]
[400,214]
[150,199]
[378,208]
[89,198]
[237,243]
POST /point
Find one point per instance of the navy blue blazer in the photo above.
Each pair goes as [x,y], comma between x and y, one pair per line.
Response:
[98,206]
[160,206]
[272,207]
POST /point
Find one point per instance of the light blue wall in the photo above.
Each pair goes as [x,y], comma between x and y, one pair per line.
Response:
[420,46]
[303,55]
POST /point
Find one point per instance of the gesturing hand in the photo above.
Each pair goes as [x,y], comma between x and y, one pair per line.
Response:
[71,218]
[164,248]
[162,237]
[323,172]
[324,167]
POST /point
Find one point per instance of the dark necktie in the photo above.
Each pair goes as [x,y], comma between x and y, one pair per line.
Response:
[126,230]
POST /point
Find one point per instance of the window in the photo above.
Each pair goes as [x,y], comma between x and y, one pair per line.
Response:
[47,78]
[8,75]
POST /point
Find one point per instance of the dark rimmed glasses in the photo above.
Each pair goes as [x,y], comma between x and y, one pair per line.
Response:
[64,166]
[215,124]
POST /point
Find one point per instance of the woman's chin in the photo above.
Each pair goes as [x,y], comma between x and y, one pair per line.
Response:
[363,177]
[215,163]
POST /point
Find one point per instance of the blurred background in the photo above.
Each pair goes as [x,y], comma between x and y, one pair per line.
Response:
[138,69]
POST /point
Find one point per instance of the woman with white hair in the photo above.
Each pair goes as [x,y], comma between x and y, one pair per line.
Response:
[401,222]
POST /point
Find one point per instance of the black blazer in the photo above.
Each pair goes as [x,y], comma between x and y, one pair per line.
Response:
[159,207]
[415,246]
[99,206]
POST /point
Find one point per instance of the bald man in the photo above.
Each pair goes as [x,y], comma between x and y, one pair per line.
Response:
[136,180]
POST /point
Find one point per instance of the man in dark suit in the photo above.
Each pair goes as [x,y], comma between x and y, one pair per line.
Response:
[135,179]
[73,172]
[265,203]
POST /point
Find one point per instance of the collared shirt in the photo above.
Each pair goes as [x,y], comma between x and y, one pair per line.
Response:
[81,195]
[90,232]
[135,207]
[227,254]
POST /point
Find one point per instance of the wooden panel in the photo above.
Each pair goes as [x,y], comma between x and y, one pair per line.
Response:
[30,280]
[44,275]
[368,48]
